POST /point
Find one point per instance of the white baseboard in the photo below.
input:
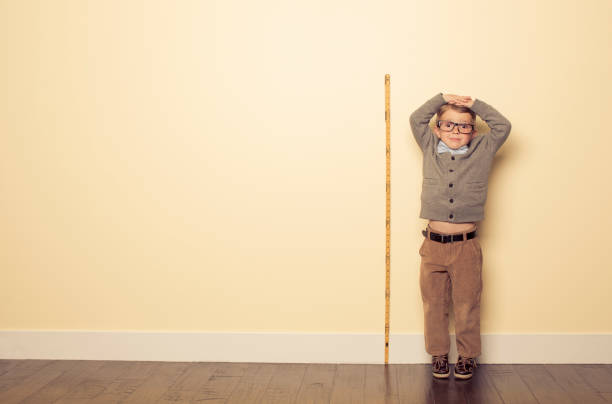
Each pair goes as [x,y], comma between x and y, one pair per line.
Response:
[292,347]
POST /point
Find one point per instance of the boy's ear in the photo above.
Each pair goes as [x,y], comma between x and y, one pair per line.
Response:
[436,130]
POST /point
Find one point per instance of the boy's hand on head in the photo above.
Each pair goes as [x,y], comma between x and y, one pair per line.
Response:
[462,100]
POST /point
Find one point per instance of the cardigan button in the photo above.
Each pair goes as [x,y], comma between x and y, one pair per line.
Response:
[450,185]
[450,216]
[451,201]
[453,157]
[451,170]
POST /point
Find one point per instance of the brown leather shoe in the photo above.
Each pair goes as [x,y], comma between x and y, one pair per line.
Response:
[439,365]
[464,369]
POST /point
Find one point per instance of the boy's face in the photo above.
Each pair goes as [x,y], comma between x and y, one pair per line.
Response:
[455,139]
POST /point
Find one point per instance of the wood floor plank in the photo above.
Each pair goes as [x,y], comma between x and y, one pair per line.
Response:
[542,385]
[349,383]
[59,387]
[95,382]
[480,389]
[448,391]
[126,383]
[415,384]
[221,384]
[607,395]
[451,391]
[598,377]
[252,385]
[188,383]
[575,386]
[20,371]
[141,369]
[317,384]
[510,386]
[8,364]
[34,381]
[381,384]
[285,383]
[160,380]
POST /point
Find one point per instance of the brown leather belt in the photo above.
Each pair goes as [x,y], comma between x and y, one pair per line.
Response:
[448,238]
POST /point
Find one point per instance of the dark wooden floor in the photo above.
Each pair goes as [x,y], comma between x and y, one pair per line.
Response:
[72,381]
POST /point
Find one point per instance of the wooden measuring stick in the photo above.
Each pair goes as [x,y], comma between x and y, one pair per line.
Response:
[388,216]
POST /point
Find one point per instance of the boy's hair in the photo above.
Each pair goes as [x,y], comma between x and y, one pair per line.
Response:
[457,108]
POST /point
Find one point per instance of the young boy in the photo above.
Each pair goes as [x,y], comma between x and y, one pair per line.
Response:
[456,165]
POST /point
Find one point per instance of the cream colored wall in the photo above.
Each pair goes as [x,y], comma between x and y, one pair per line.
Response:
[220,166]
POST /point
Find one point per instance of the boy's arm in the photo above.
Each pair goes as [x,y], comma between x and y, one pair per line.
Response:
[419,120]
[500,126]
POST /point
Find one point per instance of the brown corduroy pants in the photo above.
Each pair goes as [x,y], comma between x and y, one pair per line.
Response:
[451,270]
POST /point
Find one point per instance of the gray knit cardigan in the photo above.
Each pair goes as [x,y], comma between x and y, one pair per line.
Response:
[455,186]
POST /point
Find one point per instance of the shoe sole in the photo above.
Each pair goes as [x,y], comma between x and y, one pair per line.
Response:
[441,375]
[464,377]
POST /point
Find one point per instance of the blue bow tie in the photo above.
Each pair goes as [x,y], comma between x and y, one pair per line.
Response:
[443,148]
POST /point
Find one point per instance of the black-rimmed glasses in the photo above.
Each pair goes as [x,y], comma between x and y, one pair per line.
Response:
[448,126]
